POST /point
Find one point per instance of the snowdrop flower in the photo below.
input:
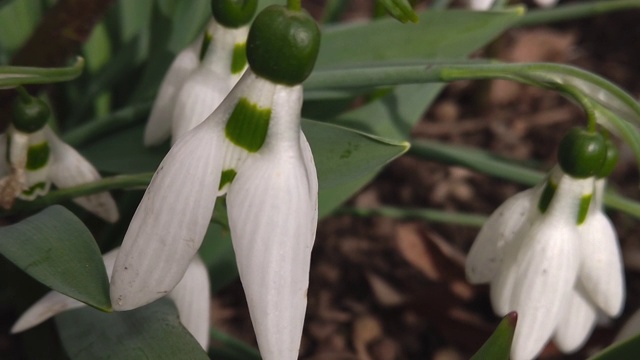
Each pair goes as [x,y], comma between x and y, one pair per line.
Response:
[197,81]
[480,5]
[551,254]
[32,157]
[546,3]
[191,296]
[252,149]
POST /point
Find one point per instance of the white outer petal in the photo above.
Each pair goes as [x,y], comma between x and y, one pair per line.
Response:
[480,5]
[601,272]
[171,220]
[198,98]
[576,323]
[69,168]
[485,255]
[547,268]
[192,297]
[158,127]
[272,210]
[546,3]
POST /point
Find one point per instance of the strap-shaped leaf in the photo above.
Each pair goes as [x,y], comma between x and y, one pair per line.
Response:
[150,332]
[498,346]
[55,248]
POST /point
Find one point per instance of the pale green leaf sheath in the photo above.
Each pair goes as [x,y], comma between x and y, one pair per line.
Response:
[251,147]
[197,82]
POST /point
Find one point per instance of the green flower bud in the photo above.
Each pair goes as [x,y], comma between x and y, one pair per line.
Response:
[283,45]
[30,114]
[233,13]
[582,153]
[610,161]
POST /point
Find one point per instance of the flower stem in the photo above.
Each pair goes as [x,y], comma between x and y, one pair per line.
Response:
[295,5]
[430,215]
[575,11]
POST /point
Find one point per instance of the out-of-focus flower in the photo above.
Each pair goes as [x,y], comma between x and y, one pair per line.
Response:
[551,254]
[191,296]
[480,5]
[197,81]
[32,157]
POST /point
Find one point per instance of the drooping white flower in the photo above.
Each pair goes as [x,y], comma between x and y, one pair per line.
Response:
[550,254]
[196,83]
[253,149]
[191,296]
[31,162]
[546,3]
[480,5]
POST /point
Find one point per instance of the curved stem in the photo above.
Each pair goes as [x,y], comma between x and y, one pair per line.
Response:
[295,5]
[575,11]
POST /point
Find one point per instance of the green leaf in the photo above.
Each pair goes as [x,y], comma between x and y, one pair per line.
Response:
[217,249]
[150,332]
[55,248]
[18,19]
[439,34]
[97,49]
[189,18]
[624,350]
[498,346]
[346,160]
[124,153]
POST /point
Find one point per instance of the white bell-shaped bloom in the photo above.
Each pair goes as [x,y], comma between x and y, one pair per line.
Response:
[191,296]
[252,148]
[192,87]
[550,254]
[546,3]
[480,5]
[31,162]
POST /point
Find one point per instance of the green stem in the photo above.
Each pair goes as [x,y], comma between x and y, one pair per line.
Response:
[60,195]
[11,76]
[575,11]
[96,128]
[295,5]
[491,164]
[430,215]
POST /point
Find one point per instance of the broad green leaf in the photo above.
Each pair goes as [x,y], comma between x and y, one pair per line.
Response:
[438,34]
[226,347]
[150,332]
[135,17]
[395,114]
[18,19]
[189,18]
[55,248]
[124,153]
[623,350]
[498,346]
[346,160]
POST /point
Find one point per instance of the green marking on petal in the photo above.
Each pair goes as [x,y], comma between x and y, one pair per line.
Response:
[206,41]
[34,188]
[247,126]
[38,156]
[239,60]
[585,201]
[227,177]
[547,195]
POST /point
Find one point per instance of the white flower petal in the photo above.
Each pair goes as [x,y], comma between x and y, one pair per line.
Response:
[171,220]
[192,296]
[158,127]
[312,177]
[480,5]
[576,324]
[485,256]
[547,267]
[546,3]
[69,168]
[602,273]
[199,97]
[272,209]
